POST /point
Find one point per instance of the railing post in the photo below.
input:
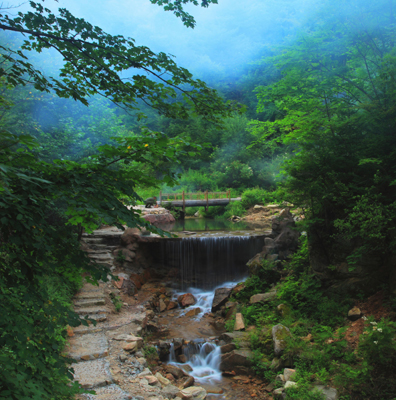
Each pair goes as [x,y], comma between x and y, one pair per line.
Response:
[184,202]
[207,200]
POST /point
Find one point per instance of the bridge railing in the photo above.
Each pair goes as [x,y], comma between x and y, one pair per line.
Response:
[183,196]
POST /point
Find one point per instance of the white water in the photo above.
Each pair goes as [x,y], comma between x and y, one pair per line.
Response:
[203,358]
[204,298]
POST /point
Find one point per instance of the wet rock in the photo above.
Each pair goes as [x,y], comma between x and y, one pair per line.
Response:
[186,300]
[193,393]
[227,348]
[170,391]
[175,371]
[263,297]
[162,380]
[236,358]
[163,350]
[280,378]
[186,368]
[181,358]
[193,312]
[188,382]
[279,334]
[239,323]
[221,297]
[328,393]
[162,305]
[354,314]
[171,305]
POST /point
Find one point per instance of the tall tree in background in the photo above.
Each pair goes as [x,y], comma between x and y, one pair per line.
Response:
[336,102]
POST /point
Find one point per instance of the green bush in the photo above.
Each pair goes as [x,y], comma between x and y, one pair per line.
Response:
[250,197]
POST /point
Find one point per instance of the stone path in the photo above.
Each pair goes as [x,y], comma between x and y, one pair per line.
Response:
[102,364]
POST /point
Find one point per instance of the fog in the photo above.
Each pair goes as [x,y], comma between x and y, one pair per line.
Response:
[227,35]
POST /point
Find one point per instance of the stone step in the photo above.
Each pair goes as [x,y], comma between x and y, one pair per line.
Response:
[92,239]
[90,302]
[92,374]
[110,392]
[97,294]
[101,256]
[92,310]
[88,347]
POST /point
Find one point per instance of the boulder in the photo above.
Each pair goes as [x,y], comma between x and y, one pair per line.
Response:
[171,305]
[289,374]
[186,300]
[152,380]
[229,337]
[188,382]
[162,380]
[279,334]
[279,393]
[236,359]
[290,384]
[181,358]
[162,305]
[239,323]
[159,219]
[354,314]
[227,348]
[175,371]
[163,349]
[131,347]
[193,312]
[328,393]
[193,393]
[137,280]
[221,297]
[263,297]
[170,391]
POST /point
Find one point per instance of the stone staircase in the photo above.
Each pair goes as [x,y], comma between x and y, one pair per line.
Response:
[90,347]
[101,244]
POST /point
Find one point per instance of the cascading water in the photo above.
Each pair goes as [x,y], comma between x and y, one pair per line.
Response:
[203,358]
[207,261]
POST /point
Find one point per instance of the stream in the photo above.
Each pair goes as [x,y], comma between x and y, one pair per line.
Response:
[207,259]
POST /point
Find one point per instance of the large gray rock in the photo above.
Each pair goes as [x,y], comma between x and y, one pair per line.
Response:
[170,391]
[279,336]
[220,298]
[329,393]
[193,393]
[263,297]
[230,337]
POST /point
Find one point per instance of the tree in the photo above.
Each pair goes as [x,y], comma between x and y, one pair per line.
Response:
[45,203]
[336,105]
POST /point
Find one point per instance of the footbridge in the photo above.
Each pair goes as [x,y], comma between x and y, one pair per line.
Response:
[198,199]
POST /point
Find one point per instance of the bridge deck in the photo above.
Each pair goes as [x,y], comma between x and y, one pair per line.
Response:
[198,203]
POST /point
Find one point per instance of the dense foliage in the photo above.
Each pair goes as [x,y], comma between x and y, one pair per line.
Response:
[49,195]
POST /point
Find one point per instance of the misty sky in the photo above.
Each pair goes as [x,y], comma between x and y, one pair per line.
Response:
[227,36]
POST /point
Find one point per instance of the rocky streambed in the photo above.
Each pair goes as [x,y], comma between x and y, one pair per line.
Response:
[169,340]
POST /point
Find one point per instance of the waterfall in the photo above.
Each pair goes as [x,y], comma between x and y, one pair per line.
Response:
[203,358]
[207,261]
